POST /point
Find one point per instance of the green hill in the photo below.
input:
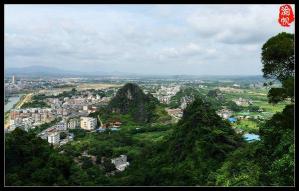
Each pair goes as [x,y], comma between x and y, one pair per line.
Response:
[188,93]
[130,99]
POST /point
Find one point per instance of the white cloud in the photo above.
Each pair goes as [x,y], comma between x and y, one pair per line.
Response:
[189,39]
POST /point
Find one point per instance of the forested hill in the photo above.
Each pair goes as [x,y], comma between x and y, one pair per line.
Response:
[130,99]
[203,139]
[200,126]
[176,100]
[191,154]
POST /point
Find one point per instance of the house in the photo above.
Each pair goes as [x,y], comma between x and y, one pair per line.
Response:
[242,102]
[224,113]
[120,162]
[176,113]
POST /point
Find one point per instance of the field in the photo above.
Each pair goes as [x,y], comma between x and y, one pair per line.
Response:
[259,98]
[96,86]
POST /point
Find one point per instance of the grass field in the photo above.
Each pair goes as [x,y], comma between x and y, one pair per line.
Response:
[248,125]
[267,107]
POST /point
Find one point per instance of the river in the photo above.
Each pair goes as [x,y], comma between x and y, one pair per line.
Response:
[11,102]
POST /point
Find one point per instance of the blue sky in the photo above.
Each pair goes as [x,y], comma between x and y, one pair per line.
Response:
[143,39]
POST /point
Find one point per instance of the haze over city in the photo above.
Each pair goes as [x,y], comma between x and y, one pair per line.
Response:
[142,39]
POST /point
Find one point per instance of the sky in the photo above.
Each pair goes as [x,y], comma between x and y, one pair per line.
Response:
[142,39]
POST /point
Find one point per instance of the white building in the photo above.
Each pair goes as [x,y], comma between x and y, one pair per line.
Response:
[54,137]
[85,107]
[73,123]
[224,113]
[13,80]
[120,162]
[62,126]
[88,123]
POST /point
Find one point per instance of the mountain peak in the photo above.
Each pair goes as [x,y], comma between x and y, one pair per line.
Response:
[130,99]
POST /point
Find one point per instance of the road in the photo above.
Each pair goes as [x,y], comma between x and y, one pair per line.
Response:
[26,99]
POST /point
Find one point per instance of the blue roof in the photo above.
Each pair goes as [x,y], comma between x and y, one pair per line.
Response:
[251,137]
[232,119]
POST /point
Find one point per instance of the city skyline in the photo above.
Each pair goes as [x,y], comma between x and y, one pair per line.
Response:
[142,39]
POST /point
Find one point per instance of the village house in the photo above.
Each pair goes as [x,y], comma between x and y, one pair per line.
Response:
[224,113]
[120,162]
[176,113]
[242,102]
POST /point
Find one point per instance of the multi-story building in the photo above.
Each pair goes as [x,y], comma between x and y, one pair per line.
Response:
[62,125]
[73,123]
[54,137]
[88,123]
[13,80]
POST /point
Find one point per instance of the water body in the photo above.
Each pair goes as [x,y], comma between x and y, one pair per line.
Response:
[11,102]
[251,137]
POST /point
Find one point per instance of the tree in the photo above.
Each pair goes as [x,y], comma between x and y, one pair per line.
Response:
[108,166]
[279,63]
[253,108]
[240,168]
[63,135]
[278,56]
[32,161]
[233,106]
[276,155]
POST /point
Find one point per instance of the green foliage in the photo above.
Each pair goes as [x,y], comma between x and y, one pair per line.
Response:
[239,168]
[276,95]
[108,166]
[281,172]
[253,108]
[204,137]
[175,101]
[35,104]
[78,133]
[278,56]
[63,135]
[279,63]
[277,154]
[233,106]
[44,126]
[29,160]
[216,93]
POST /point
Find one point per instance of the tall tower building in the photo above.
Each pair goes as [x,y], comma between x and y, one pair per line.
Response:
[13,79]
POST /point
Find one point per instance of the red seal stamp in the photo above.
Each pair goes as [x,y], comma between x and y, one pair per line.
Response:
[286,15]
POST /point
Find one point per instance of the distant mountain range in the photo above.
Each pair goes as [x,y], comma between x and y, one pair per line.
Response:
[46,71]
[40,71]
